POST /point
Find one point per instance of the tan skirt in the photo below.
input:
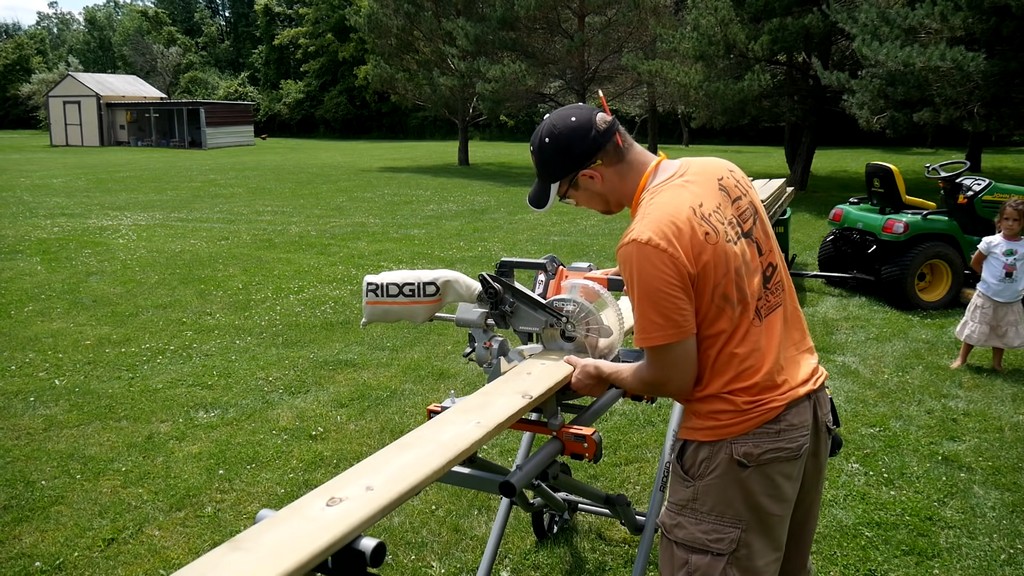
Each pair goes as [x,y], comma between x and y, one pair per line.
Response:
[992,324]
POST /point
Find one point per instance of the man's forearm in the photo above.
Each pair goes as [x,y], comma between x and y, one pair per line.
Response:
[641,379]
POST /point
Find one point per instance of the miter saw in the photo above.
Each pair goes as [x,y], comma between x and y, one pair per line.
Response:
[580,318]
[569,310]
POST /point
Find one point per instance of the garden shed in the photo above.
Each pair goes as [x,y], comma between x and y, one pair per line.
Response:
[87,109]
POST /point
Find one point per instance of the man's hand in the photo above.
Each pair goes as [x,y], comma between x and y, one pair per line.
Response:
[588,377]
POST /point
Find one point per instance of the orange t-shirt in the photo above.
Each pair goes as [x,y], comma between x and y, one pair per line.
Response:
[700,259]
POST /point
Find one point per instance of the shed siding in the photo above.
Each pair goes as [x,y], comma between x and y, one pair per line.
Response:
[224,136]
[81,128]
[70,87]
[224,114]
[55,110]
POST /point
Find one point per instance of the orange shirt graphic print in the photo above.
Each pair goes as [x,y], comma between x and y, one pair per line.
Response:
[735,220]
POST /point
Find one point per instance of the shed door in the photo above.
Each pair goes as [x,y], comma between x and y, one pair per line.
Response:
[73,123]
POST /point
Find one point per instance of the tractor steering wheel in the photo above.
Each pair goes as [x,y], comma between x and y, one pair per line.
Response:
[937,172]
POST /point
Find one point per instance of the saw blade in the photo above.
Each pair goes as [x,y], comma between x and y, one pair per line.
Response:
[595,321]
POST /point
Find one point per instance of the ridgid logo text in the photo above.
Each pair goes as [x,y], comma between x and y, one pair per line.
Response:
[402,290]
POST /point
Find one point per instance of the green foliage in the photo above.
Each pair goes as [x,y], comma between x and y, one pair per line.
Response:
[430,54]
[17,63]
[935,65]
[760,61]
[181,348]
[755,60]
[149,47]
[98,51]
[184,15]
[10,29]
[382,67]
[572,49]
[330,54]
[713,89]
[241,31]
[274,57]
[57,33]
[211,43]
[199,84]
[210,84]
[237,89]
[283,104]
[34,91]
[916,70]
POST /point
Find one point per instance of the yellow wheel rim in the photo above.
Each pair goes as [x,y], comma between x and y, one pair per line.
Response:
[933,280]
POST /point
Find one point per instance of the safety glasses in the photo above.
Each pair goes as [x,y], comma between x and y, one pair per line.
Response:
[563,196]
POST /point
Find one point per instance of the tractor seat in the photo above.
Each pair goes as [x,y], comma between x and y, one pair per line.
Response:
[887,191]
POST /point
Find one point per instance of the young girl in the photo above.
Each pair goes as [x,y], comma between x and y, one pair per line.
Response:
[995,318]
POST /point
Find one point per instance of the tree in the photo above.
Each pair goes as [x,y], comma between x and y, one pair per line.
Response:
[760,61]
[34,91]
[212,46]
[241,33]
[182,14]
[275,57]
[148,46]
[570,50]
[331,53]
[944,65]
[660,67]
[97,50]
[199,84]
[57,34]
[434,54]
[277,65]
[17,64]
[10,29]
[305,70]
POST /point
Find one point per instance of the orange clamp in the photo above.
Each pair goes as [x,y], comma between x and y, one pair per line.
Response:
[578,442]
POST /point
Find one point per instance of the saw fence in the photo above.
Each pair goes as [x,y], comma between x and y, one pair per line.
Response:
[326,530]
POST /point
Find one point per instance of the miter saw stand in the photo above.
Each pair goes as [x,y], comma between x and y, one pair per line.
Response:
[545,324]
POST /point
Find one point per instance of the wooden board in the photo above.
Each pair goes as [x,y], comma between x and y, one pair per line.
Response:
[305,532]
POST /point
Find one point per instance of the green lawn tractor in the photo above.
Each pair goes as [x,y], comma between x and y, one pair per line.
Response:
[912,252]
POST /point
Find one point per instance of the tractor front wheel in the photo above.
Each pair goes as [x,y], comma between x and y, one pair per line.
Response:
[929,276]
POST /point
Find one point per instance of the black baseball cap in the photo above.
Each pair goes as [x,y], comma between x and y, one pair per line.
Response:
[565,142]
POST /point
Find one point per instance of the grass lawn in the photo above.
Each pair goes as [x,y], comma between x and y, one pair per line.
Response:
[180,347]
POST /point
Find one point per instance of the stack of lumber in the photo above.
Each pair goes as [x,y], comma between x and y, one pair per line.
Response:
[774,194]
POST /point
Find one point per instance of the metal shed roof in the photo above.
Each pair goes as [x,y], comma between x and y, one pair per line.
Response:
[172,103]
[116,84]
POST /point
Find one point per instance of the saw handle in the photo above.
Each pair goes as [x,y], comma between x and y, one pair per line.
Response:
[553,272]
[610,283]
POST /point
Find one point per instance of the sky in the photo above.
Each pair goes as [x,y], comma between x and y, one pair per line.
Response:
[24,11]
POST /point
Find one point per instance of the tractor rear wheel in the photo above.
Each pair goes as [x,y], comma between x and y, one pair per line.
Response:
[929,276]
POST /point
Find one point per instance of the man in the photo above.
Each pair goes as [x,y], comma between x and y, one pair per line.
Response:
[723,334]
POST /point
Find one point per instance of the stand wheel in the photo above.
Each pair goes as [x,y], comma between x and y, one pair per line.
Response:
[547,523]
